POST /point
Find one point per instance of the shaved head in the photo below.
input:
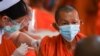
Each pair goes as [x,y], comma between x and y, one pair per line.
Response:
[88,47]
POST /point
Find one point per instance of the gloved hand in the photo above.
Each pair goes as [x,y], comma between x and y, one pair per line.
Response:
[21,51]
[34,43]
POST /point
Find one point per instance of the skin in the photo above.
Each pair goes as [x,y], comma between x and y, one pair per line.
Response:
[68,18]
[22,20]
[1,22]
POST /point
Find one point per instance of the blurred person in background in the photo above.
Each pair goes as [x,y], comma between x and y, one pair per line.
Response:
[97,20]
[43,20]
[90,46]
[52,5]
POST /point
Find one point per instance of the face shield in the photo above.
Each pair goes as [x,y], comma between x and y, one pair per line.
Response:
[15,25]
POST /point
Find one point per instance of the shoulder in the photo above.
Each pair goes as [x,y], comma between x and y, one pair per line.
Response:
[45,39]
[48,40]
[81,35]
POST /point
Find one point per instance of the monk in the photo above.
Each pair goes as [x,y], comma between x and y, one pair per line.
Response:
[40,16]
[68,25]
[90,46]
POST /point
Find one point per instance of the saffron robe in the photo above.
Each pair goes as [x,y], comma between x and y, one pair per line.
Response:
[7,47]
[55,46]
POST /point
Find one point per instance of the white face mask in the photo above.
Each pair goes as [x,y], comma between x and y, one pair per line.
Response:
[69,31]
[11,29]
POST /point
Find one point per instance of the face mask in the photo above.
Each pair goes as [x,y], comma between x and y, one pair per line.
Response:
[69,31]
[11,29]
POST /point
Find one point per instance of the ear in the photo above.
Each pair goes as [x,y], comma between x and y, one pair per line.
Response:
[5,19]
[55,26]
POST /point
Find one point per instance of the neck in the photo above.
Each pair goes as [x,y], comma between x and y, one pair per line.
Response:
[69,45]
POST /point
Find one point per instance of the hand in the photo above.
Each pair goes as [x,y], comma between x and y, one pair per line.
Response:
[21,51]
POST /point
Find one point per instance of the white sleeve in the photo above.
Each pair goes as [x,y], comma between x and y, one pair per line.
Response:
[21,50]
[35,43]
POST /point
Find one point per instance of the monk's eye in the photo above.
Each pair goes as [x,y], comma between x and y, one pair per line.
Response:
[65,23]
[74,23]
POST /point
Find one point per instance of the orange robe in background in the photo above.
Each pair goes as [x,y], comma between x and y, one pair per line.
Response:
[55,46]
[7,47]
[97,27]
[44,20]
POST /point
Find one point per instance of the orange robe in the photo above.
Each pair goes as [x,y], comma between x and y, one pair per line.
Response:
[44,20]
[7,47]
[97,27]
[55,46]
[31,53]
